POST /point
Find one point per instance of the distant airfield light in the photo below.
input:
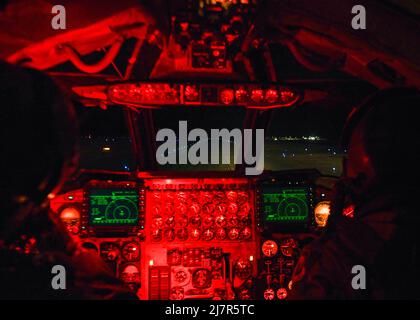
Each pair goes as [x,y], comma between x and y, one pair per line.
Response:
[106,149]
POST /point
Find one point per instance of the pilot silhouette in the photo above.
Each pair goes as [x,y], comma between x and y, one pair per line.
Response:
[380,181]
[38,135]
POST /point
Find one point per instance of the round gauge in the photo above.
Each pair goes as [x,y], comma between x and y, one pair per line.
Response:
[156,210]
[70,217]
[157,222]
[170,221]
[233,221]
[181,209]
[244,209]
[208,221]
[269,248]
[221,234]
[181,276]
[195,234]
[269,294]
[131,251]
[157,196]
[156,234]
[232,196]
[288,246]
[194,209]
[243,197]
[170,196]
[182,234]
[195,221]
[322,212]
[281,293]
[233,234]
[208,208]
[220,209]
[221,221]
[201,278]
[232,208]
[177,293]
[246,233]
[206,197]
[246,220]
[169,234]
[109,251]
[243,268]
[219,197]
[208,235]
[181,221]
[182,196]
[169,209]
[130,274]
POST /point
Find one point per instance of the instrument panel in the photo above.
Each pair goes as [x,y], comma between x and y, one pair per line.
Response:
[196,238]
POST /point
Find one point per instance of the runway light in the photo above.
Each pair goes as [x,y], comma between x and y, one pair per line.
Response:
[106,149]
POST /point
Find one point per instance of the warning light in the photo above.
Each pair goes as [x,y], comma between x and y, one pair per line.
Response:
[241,95]
[271,96]
[227,96]
[322,212]
[257,95]
[151,262]
[191,93]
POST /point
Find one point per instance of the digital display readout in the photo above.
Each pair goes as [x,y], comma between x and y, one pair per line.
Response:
[285,205]
[113,207]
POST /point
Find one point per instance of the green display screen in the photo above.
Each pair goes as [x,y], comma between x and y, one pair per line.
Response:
[285,205]
[113,207]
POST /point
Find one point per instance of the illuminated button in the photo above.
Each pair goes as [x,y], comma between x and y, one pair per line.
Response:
[257,95]
[169,234]
[269,294]
[208,235]
[281,293]
[271,95]
[191,93]
[195,234]
[241,95]
[269,248]
[221,234]
[227,96]
[233,234]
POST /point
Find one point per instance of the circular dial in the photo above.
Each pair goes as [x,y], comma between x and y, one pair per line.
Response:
[269,248]
[130,274]
[282,293]
[109,251]
[181,276]
[233,234]
[71,219]
[201,278]
[208,234]
[131,251]
[269,294]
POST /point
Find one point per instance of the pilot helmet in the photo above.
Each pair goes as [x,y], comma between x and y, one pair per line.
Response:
[38,137]
[381,137]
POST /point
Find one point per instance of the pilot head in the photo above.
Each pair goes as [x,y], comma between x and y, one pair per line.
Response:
[38,135]
[383,142]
